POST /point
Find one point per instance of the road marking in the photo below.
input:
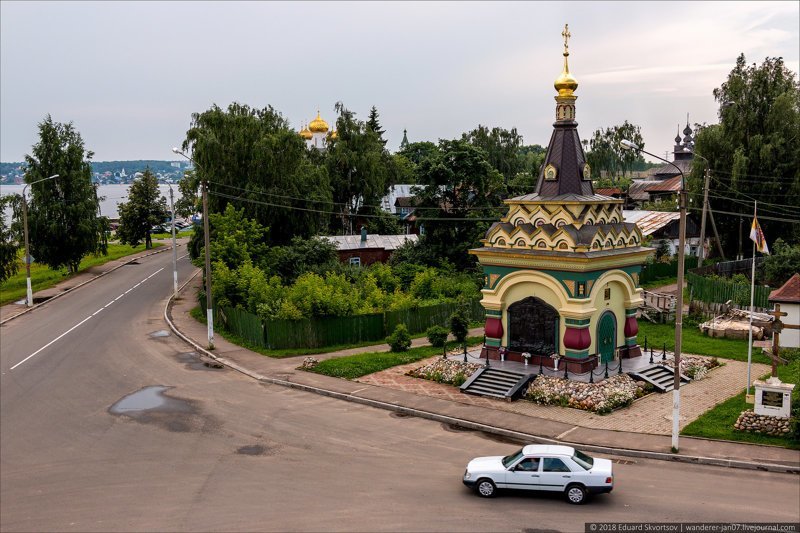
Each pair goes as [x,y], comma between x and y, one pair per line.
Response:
[567,432]
[51,342]
[85,319]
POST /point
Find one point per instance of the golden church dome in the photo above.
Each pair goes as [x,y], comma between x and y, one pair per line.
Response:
[334,135]
[318,125]
[305,133]
[565,84]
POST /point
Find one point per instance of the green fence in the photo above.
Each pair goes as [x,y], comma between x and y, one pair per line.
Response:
[720,291]
[657,270]
[334,331]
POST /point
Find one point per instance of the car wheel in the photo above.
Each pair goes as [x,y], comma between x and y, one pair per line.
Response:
[486,488]
[576,494]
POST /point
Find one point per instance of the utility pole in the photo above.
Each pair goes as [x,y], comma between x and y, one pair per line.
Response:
[676,394]
[207,238]
[174,247]
[701,250]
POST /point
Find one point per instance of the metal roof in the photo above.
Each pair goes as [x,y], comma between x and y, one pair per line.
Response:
[564,198]
[789,292]
[650,221]
[385,242]
[668,185]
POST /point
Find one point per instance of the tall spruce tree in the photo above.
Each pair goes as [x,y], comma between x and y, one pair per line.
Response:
[374,124]
[63,222]
[145,208]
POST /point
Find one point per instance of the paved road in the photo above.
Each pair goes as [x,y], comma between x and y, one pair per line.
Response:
[227,453]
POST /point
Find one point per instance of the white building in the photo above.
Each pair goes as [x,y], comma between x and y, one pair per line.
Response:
[316,133]
[789,298]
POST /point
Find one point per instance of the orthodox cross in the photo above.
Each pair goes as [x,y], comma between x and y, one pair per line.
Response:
[566,34]
[777,326]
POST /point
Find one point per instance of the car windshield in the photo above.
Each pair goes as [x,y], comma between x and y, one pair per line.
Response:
[583,460]
[508,460]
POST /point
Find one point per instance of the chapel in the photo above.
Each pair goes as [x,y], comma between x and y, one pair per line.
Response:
[561,268]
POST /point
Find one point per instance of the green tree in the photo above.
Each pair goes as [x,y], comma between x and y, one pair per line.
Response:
[459,324]
[531,157]
[144,209]
[374,124]
[300,256]
[190,201]
[753,151]
[63,225]
[458,188]
[10,240]
[502,149]
[253,158]
[360,168]
[782,263]
[607,155]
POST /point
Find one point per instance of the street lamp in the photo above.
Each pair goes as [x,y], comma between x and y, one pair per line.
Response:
[676,393]
[29,297]
[174,246]
[209,306]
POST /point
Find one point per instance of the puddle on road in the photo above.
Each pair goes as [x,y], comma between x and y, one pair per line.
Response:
[255,449]
[160,333]
[146,399]
[194,361]
[149,405]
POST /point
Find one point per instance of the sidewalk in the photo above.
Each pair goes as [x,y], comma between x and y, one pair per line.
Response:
[523,421]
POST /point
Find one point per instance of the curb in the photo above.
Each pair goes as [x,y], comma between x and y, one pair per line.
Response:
[79,285]
[643,454]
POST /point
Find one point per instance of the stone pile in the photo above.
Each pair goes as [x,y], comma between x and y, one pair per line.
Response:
[692,366]
[445,371]
[768,425]
[309,363]
[603,397]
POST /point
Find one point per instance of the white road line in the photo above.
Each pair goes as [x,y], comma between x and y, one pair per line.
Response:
[85,319]
[51,342]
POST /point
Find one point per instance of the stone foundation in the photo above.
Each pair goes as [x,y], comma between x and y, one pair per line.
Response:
[765,424]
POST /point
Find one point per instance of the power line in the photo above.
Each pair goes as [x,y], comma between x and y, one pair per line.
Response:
[334,213]
[716,211]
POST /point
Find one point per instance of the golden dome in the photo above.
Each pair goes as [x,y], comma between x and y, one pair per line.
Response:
[318,125]
[305,133]
[334,135]
[565,84]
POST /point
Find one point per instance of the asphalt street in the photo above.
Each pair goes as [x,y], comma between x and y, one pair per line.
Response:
[224,452]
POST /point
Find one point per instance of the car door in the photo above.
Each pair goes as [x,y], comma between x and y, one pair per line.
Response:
[524,475]
[554,475]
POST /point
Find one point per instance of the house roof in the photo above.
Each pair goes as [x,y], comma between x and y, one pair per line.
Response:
[672,184]
[610,191]
[790,292]
[385,242]
[406,201]
[668,170]
[637,190]
[650,221]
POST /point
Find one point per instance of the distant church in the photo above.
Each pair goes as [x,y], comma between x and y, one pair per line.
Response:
[315,133]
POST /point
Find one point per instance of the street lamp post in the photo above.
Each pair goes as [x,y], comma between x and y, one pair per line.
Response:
[676,392]
[29,294]
[174,246]
[209,301]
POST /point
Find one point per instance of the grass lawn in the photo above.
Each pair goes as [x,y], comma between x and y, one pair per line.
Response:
[43,277]
[661,282]
[199,314]
[693,341]
[355,366]
[717,423]
[178,234]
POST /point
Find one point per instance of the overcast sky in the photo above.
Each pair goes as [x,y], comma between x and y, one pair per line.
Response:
[130,74]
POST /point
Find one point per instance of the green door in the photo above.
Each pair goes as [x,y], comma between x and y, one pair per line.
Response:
[606,337]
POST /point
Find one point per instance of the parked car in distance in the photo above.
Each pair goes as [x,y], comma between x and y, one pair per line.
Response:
[542,468]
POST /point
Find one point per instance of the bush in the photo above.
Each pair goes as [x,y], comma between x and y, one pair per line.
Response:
[400,340]
[437,335]
[459,324]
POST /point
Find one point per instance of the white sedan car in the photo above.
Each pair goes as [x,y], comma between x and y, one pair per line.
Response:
[541,467]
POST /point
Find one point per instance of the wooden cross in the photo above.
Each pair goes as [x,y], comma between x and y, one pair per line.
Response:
[777,326]
[566,34]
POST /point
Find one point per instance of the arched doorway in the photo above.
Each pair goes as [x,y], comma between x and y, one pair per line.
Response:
[606,337]
[533,327]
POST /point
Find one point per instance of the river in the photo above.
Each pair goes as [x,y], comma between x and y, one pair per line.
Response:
[112,196]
